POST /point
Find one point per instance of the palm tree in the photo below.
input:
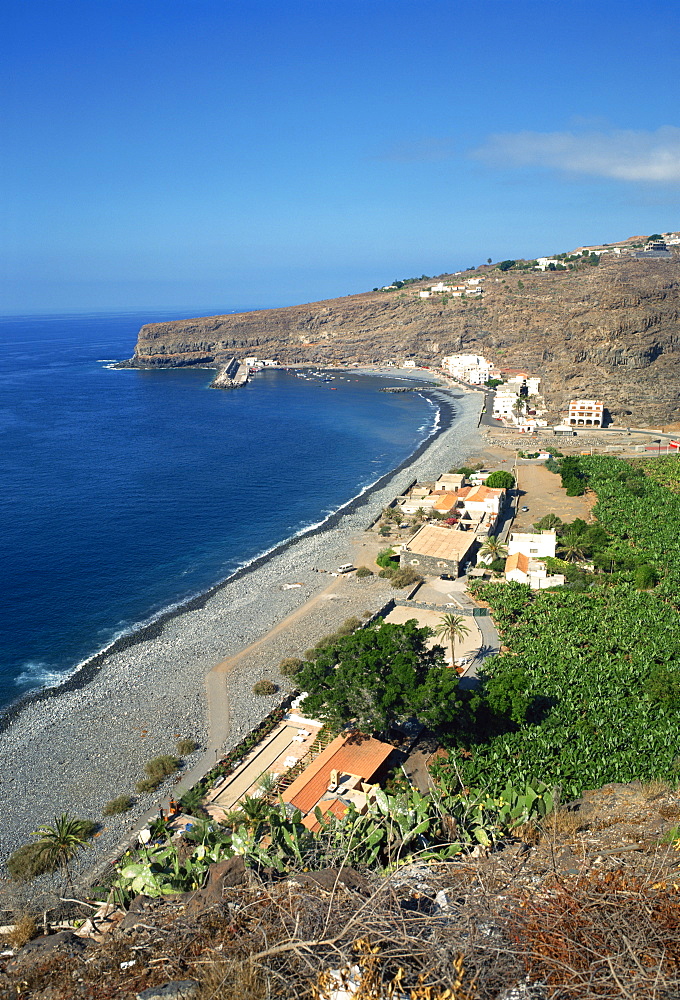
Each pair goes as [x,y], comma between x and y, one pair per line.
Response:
[419,516]
[256,811]
[494,548]
[519,406]
[61,843]
[571,548]
[452,627]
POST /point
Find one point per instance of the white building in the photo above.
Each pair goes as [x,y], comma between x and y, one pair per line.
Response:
[520,569]
[543,263]
[539,545]
[504,402]
[470,368]
[409,364]
[585,413]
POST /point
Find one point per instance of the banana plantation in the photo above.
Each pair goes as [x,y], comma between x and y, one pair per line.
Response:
[598,669]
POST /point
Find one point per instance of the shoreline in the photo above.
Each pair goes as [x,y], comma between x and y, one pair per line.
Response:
[82,673]
[74,747]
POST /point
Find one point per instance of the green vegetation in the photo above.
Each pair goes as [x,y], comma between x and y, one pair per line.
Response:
[501,480]
[380,675]
[384,558]
[506,265]
[185,745]
[590,688]
[393,827]
[405,577]
[147,785]
[290,666]
[161,767]
[664,470]
[28,861]
[118,805]
[264,688]
[494,548]
[363,572]
[61,842]
[452,627]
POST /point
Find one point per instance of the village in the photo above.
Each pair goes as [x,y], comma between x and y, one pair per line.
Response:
[442,533]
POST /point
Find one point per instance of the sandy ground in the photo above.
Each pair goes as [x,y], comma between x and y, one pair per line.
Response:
[541,492]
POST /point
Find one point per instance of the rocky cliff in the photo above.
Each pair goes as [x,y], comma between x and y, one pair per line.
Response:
[608,332]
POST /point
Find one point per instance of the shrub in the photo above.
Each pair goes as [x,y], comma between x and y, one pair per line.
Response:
[87,827]
[118,805]
[387,573]
[384,558]
[161,767]
[646,577]
[349,625]
[501,479]
[290,666]
[384,530]
[25,929]
[498,565]
[147,785]
[186,746]
[265,688]
[363,571]
[405,577]
[28,861]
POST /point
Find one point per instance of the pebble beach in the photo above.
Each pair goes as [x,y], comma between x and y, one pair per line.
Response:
[75,747]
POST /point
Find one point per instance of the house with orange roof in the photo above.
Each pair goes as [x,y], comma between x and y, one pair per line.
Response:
[519,568]
[484,499]
[445,502]
[343,774]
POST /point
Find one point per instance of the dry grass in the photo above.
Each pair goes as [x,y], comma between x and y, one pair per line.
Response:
[561,824]
[602,936]
[655,789]
[25,929]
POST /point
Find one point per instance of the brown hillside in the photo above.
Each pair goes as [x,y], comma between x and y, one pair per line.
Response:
[608,332]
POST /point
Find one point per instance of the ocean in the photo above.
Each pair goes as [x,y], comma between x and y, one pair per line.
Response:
[127,492]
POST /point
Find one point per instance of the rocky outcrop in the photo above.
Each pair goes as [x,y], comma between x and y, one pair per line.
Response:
[609,332]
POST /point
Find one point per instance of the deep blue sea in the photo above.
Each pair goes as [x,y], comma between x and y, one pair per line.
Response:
[125,492]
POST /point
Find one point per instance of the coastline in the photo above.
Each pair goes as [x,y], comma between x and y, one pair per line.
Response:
[82,673]
[74,747]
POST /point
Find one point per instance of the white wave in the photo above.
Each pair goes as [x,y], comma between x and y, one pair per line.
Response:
[39,675]
[101,361]
[36,674]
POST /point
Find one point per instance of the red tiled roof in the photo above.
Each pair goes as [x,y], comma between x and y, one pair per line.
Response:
[445,501]
[484,493]
[517,561]
[334,806]
[358,755]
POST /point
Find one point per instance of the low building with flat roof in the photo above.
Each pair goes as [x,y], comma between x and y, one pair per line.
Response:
[539,545]
[435,548]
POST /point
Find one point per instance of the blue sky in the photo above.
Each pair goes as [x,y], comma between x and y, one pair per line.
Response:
[250,153]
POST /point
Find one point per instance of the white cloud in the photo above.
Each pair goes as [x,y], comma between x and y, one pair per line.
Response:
[622,154]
